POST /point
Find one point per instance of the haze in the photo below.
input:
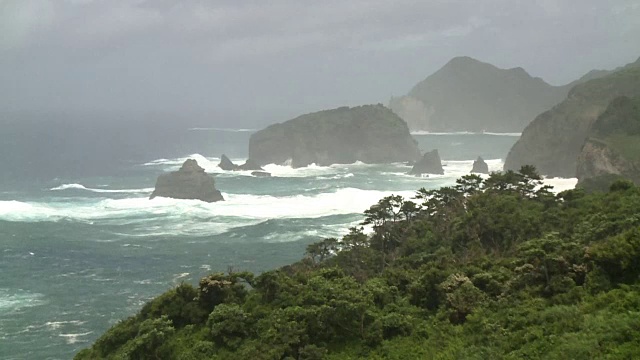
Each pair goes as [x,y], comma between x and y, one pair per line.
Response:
[244,63]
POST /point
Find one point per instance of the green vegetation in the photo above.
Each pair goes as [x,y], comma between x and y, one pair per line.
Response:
[369,133]
[554,140]
[487,269]
[619,127]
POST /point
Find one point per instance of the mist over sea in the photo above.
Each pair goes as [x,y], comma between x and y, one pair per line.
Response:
[82,247]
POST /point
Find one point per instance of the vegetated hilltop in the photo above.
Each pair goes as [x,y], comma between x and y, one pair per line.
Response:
[612,148]
[553,141]
[369,133]
[487,269]
[470,95]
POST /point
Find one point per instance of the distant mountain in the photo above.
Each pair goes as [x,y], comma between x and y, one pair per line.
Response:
[612,148]
[553,141]
[470,95]
[369,133]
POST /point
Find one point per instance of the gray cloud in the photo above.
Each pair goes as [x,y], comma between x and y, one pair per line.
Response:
[263,61]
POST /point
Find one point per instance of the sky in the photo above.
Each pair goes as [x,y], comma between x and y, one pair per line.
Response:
[240,62]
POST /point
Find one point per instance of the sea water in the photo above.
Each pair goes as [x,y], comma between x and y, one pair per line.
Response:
[82,246]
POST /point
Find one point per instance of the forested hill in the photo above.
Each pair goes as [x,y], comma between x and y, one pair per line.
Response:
[470,95]
[500,268]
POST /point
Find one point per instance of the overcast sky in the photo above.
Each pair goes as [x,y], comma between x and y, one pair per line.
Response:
[257,61]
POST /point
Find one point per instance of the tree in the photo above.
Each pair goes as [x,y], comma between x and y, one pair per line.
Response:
[229,325]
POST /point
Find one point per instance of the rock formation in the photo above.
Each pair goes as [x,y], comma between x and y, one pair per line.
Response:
[250,165]
[612,148]
[553,141]
[190,182]
[479,166]
[429,164]
[261,174]
[370,133]
[228,165]
[469,95]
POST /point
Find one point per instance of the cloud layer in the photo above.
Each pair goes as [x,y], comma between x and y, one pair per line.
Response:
[268,60]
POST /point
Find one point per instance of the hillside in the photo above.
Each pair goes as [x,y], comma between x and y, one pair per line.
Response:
[469,95]
[552,142]
[612,148]
[499,268]
[370,133]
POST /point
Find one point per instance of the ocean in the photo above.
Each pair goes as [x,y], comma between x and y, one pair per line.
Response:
[82,246]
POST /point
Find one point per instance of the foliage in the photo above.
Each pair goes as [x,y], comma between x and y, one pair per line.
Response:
[493,268]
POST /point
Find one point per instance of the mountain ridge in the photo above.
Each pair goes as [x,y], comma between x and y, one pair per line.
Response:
[467,94]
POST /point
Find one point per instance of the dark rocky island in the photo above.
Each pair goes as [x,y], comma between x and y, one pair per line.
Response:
[480,166]
[190,182]
[553,141]
[228,165]
[429,164]
[370,133]
[470,95]
[612,148]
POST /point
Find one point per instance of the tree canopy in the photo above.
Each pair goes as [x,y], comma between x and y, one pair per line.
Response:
[499,268]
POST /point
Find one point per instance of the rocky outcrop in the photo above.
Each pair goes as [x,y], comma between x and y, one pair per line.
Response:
[469,95]
[250,165]
[190,182]
[429,164]
[228,165]
[261,174]
[370,133]
[480,166]
[553,141]
[612,149]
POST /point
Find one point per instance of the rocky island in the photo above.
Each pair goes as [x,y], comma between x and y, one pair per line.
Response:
[228,165]
[553,141]
[429,164]
[480,166]
[369,133]
[190,182]
[612,148]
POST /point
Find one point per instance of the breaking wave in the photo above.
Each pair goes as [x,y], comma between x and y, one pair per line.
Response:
[421,132]
[82,187]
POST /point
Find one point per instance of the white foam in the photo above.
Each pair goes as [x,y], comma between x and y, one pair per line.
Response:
[73,338]
[422,132]
[503,134]
[162,216]
[209,164]
[561,184]
[82,187]
[307,171]
[54,325]
[13,300]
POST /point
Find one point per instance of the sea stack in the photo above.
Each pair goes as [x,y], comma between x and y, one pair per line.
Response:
[429,164]
[190,182]
[479,166]
[228,165]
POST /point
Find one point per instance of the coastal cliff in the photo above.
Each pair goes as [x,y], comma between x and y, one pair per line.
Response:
[554,140]
[612,149]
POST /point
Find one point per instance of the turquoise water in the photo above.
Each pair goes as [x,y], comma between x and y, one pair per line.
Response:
[80,251]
